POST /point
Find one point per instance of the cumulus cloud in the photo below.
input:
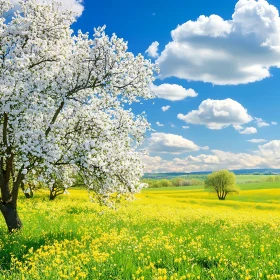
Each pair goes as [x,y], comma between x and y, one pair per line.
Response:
[152,164]
[249,130]
[159,124]
[237,127]
[271,150]
[274,123]
[172,92]
[152,50]
[261,123]
[170,143]
[218,114]
[267,156]
[238,160]
[165,108]
[206,162]
[225,52]
[185,127]
[75,5]
[257,140]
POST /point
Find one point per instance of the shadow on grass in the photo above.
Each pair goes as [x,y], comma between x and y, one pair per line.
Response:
[207,263]
[17,245]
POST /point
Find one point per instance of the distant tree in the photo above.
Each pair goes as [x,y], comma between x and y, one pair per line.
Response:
[177,182]
[270,179]
[277,178]
[164,183]
[221,182]
[196,182]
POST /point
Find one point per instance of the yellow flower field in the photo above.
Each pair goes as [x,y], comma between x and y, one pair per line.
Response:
[163,234]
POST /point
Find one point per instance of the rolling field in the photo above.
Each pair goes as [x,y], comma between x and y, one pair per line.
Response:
[243,179]
[172,233]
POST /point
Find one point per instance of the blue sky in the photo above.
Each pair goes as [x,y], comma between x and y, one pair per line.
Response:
[220,72]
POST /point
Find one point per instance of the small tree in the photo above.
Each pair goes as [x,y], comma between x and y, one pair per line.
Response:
[221,182]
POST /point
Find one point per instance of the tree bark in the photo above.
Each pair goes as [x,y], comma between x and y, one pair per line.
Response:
[9,211]
[29,193]
[52,195]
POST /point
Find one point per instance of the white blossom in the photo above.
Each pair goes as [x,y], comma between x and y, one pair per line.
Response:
[61,100]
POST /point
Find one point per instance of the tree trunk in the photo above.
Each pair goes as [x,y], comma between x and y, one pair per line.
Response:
[29,194]
[10,214]
[52,195]
[56,191]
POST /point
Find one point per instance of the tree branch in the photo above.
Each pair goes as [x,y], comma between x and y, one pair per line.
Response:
[54,118]
[40,62]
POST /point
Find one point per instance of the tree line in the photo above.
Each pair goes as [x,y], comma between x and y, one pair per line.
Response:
[174,182]
[220,182]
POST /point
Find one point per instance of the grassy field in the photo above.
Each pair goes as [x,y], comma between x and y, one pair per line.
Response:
[171,233]
[242,179]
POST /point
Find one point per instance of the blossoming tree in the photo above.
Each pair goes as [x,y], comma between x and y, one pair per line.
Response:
[62,98]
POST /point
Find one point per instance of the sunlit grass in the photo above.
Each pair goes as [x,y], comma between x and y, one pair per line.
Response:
[180,233]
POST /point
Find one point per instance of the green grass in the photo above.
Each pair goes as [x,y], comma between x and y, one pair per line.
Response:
[244,179]
[170,233]
[259,185]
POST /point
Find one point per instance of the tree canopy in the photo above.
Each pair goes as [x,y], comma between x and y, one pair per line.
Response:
[222,183]
[64,100]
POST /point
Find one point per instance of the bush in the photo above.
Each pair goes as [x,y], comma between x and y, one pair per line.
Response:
[196,182]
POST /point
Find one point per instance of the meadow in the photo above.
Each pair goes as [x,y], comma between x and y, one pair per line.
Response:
[167,233]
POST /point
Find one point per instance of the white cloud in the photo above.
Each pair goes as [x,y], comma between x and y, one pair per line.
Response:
[257,140]
[235,51]
[271,150]
[274,123]
[238,160]
[237,127]
[170,143]
[185,127]
[152,50]
[159,124]
[172,92]
[218,114]
[249,130]
[75,5]
[165,108]
[267,156]
[261,123]
[152,164]
[208,162]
